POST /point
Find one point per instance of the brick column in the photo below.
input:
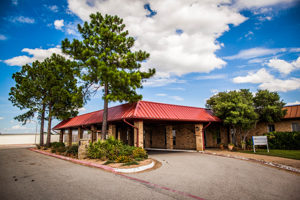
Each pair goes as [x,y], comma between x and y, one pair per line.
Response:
[112,130]
[199,137]
[80,133]
[139,134]
[70,137]
[169,137]
[61,136]
[119,134]
[93,136]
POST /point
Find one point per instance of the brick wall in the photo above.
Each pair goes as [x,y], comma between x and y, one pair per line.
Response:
[185,136]
[158,136]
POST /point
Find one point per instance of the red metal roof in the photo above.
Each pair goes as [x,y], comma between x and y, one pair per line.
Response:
[142,110]
[292,112]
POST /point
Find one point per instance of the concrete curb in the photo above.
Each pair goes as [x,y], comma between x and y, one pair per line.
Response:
[277,165]
[107,168]
[137,169]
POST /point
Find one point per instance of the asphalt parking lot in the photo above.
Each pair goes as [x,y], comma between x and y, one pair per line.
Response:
[28,175]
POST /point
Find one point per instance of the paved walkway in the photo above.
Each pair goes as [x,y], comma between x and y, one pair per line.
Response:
[273,159]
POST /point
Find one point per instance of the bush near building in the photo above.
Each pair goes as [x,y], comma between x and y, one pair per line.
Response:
[284,140]
[114,150]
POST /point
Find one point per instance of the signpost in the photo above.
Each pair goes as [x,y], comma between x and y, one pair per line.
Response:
[260,140]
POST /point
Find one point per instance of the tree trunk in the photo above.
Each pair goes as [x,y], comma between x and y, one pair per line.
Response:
[49,126]
[42,126]
[105,113]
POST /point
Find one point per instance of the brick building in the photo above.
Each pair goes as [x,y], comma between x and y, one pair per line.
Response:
[151,125]
[290,122]
[166,126]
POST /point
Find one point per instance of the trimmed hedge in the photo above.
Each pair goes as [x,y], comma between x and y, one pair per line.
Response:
[284,140]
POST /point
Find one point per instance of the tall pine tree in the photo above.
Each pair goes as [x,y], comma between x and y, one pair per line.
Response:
[107,59]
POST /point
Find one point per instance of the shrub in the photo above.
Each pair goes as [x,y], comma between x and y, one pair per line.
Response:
[56,145]
[73,149]
[53,150]
[123,159]
[113,149]
[61,149]
[284,140]
[139,153]
[45,148]
[38,146]
[131,163]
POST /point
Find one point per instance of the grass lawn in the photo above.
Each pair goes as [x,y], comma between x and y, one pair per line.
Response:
[293,154]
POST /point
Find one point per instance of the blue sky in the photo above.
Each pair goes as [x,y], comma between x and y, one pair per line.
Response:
[198,48]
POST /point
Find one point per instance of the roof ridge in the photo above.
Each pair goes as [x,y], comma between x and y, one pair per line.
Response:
[136,108]
[100,110]
[172,104]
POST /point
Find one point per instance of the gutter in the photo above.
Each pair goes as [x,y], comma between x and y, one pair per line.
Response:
[137,129]
[203,129]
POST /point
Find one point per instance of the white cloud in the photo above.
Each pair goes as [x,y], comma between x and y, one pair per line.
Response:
[59,24]
[216,76]
[177,98]
[53,8]
[3,37]
[281,85]
[294,49]
[254,53]
[293,103]
[19,127]
[161,94]
[282,66]
[214,91]
[254,77]
[22,19]
[158,81]
[37,54]
[15,2]
[1,118]
[255,4]
[202,22]
[82,109]
[177,88]
[267,81]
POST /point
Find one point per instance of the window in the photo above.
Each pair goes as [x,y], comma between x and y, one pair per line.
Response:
[271,128]
[174,136]
[295,126]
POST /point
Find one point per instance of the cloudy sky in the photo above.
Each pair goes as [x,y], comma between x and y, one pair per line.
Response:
[198,47]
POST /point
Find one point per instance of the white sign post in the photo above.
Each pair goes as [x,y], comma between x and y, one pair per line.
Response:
[260,140]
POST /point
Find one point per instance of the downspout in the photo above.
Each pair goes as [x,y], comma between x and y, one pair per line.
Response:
[203,134]
[137,129]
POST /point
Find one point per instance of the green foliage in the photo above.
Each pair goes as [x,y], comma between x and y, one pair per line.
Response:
[139,153]
[53,150]
[47,86]
[109,162]
[131,163]
[292,154]
[284,140]
[269,106]
[113,149]
[56,145]
[61,149]
[106,57]
[123,159]
[72,149]
[235,108]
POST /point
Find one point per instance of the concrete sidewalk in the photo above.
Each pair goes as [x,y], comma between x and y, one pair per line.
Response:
[283,161]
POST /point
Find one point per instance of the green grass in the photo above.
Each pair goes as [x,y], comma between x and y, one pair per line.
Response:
[293,154]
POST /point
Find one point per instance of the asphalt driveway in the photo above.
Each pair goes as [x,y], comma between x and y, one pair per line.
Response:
[28,175]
